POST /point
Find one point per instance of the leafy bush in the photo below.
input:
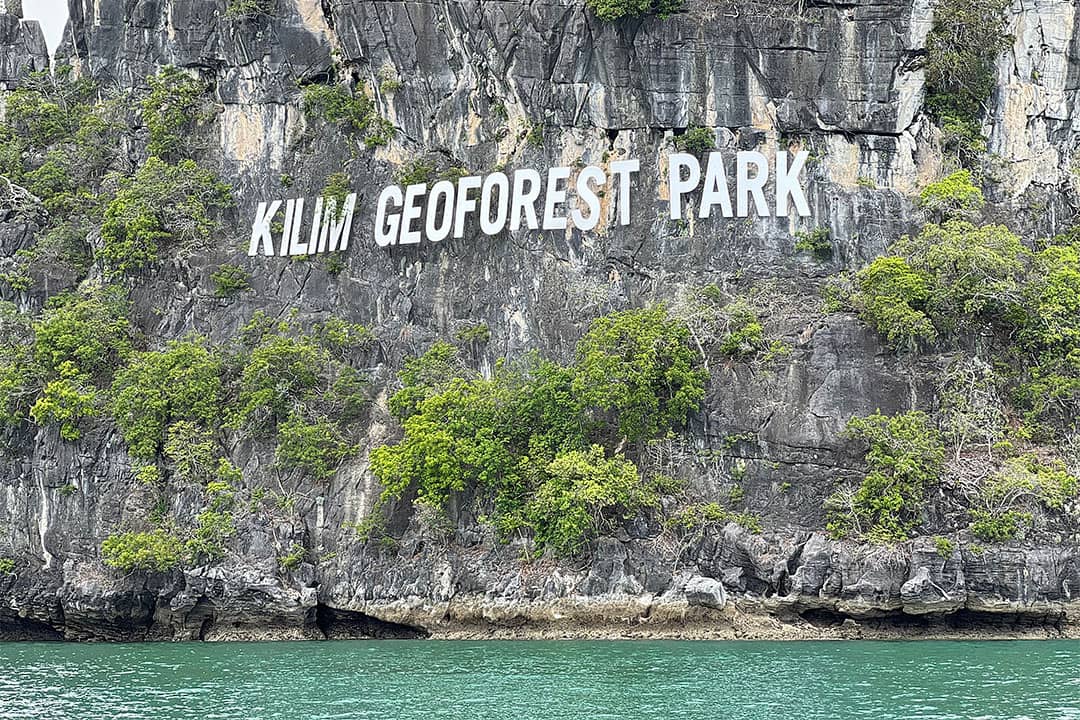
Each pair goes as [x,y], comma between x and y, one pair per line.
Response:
[235,9]
[230,281]
[817,242]
[1000,526]
[213,528]
[161,203]
[582,491]
[66,401]
[89,330]
[158,551]
[904,456]
[531,434]
[891,296]
[158,388]
[953,196]
[616,9]
[48,108]
[316,448]
[696,140]
[944,546]
[961,50]
[354,114]
[192,451]
[639,369]
[293,558]
[174,106]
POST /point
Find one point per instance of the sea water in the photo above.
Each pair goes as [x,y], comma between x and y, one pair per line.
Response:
[426,680]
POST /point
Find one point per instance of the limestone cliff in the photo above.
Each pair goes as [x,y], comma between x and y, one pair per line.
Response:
[466,83]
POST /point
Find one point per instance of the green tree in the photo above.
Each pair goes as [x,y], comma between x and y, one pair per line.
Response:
[160,204]
[638,369]
[904,456]
[183,382]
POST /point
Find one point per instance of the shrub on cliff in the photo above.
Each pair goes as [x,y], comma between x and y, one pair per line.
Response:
[949,278]
[961,51]
[160,204]
[172,110]
[90,330]
[183,382]
[637,370]
[616,9]
[904,456]
[533,436]
[355,114]
[157,550]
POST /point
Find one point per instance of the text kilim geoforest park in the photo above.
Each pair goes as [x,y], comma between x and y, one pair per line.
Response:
[419,213]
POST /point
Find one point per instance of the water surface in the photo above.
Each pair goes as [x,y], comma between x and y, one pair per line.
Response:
[418,680]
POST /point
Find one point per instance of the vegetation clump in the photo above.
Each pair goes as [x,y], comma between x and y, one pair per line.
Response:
[696,140]
[962,48]
[157,550]
[355,114]
[904,457]
[172,110]
[616,9]
[536,435]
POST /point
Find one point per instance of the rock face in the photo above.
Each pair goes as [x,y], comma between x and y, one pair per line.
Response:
[475,78]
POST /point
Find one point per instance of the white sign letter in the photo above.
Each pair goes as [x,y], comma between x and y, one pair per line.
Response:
[787,184]
[261,239]
[677,187]
[387,226]
[623,168]
[746,185]
[588,196]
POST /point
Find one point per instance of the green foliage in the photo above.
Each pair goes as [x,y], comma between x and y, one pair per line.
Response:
[582,492]
[531,434]
[208,542]
[172,109]
[536,135]
[745,333]
[637,367]
[47,108]
[961,51]
[235,9]
[89,330]
[158,388]
[699,517]
[616,9]
[157,551]
[477,334]
[999,526]
[7,566]
[417,172]
[696,140]
[230,281]
[287,370]
[148,474]
[337,188]
[891,296]
[191,450]
[817,242]
[1024,485]
[66,401]
[317,448]
[904,456]
[161,203]
[950,277]
[944,546]
[293,558]
[955,195]
[354,114]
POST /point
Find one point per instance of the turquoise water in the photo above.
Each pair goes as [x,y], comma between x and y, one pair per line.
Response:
[406,680]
